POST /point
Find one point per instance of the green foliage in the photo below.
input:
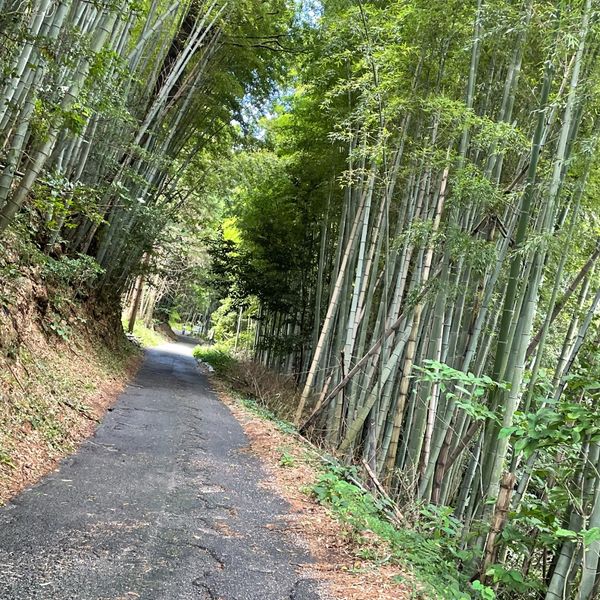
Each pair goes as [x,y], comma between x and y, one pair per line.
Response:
[5,459]
[61,328]
[429,548]
[590,536]
[58,200]
[485,592]
[512,581]
[287,460]
[265,413]
[71,271]
[217,357]
[148,338]
[465,388]
[225,320]
[349,502]
[564,425]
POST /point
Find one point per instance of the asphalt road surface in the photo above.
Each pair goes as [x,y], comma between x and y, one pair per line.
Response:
[163,503]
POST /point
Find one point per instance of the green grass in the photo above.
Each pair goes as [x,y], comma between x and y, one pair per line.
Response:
[148,337]
[218,358]
[176,325]
[264,413]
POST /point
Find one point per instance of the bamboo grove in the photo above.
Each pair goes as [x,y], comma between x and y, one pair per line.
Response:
[403,198]
[103,108]
[419,225]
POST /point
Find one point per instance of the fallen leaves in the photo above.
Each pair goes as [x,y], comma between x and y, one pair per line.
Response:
[337,561]
[32,455]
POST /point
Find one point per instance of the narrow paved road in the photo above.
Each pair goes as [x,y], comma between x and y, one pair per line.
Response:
[163,503]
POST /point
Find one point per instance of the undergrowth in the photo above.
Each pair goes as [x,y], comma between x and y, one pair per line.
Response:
[429,547]
[47,393]
[273,391]
[57,350]
[254,407]
[215,356]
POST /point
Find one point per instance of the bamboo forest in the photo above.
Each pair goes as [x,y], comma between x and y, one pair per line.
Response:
[390,208]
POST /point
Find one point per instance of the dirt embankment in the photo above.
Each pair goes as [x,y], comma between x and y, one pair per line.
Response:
[63,361]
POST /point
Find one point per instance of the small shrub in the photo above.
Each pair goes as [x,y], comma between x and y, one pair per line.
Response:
[71,271]
[485,592]
[60,328]
[220,360]
[287,460]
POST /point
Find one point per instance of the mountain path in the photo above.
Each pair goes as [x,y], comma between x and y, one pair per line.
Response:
[162,503]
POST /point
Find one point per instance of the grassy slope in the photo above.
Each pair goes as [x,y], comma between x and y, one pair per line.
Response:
[53,395]
[148,338]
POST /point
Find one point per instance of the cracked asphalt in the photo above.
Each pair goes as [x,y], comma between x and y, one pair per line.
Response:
[162,503]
